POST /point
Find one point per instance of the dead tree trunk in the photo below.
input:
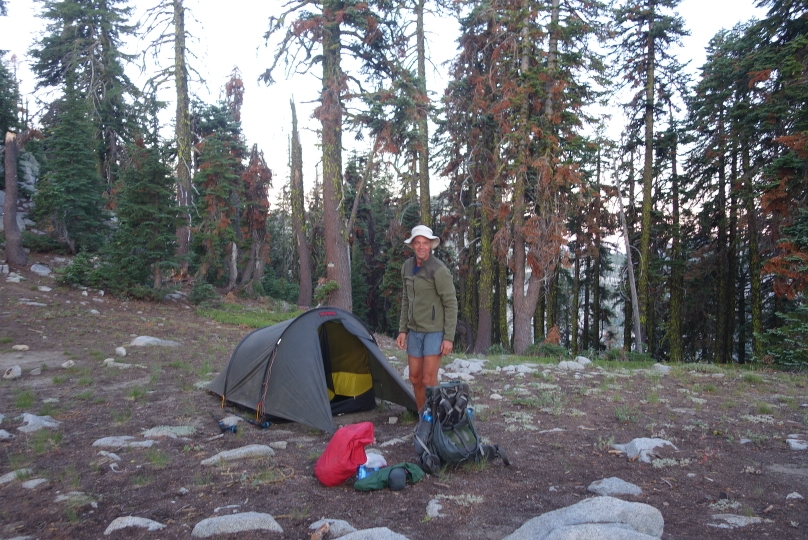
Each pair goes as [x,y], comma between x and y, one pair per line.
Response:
[15,254]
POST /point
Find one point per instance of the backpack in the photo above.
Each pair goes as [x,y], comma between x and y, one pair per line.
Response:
[445,434]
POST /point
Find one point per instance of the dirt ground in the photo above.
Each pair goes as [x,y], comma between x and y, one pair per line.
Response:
[729,427]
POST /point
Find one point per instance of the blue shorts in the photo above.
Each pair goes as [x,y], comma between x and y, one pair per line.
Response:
[420,344]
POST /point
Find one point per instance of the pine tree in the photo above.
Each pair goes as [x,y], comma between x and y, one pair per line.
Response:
[256,181]
[142,249]
[217,182]
[646,35]
[337,29]
[9,98]
[69,201]
[83,42]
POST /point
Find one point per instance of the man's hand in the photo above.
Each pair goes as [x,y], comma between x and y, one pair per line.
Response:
[446,347]
[401,341]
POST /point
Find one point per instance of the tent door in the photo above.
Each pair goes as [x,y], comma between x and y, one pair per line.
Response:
[347,369]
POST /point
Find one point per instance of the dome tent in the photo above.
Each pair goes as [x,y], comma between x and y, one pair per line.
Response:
[323,362]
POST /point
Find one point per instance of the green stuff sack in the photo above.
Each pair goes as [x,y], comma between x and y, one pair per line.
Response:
[380,479]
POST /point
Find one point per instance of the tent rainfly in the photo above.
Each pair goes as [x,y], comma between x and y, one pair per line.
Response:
[323,362]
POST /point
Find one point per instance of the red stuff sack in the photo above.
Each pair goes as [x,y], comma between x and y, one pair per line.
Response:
[344,454]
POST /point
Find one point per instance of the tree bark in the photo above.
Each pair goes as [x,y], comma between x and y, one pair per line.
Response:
[338,267]
[15,254]
[423,110]
[647,184]
[732,258]
[525,294]
[502,313]
[576,288]
[755,302]
[182,132]
[632,286]
[721,350]
[297,202]
[587,287]
[485,286]
[675,338]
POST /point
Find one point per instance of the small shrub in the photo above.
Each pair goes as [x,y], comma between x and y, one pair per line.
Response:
[546,350]
[78,271]
[42,243]
[142,480]
[158,459]
[122,416]
[204,293]
[137,393]
[764,408]
[752,378]
[604,444]
[785,345]
[322,291]
[24,399]
[616,355]
[44,440]
[625,413]
[497,349]
[279,288]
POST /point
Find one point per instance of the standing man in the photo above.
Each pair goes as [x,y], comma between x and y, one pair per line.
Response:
[428,311]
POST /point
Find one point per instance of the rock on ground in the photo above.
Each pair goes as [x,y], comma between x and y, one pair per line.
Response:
[642,448]
[169,431]
[377,533]
[145,341]
[15,475]
[517,369]
[460,365]
[614,486]
[733,521]
[604,518]
[133,521]
[337,527]
[35,423]
[36,482]
[40,270]
[570,365]
[125,441]
[13,372]
[234,523]
[433,509]
[249,451]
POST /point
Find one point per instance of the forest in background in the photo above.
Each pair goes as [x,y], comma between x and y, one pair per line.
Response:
[707,182]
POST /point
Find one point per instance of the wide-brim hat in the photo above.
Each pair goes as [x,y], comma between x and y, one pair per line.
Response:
[426,232]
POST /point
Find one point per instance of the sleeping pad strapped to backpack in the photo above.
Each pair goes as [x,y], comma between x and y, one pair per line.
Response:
[445,434]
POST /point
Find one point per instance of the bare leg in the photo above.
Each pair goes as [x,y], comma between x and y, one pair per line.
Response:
[416,364]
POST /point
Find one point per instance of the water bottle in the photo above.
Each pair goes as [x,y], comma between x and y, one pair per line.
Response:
[362,472]
[470,412]
[422,432]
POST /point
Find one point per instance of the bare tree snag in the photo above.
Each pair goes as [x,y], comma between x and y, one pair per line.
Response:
[299,215]
[15,254]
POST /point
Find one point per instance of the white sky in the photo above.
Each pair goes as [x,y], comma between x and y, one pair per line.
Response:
[231,34]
